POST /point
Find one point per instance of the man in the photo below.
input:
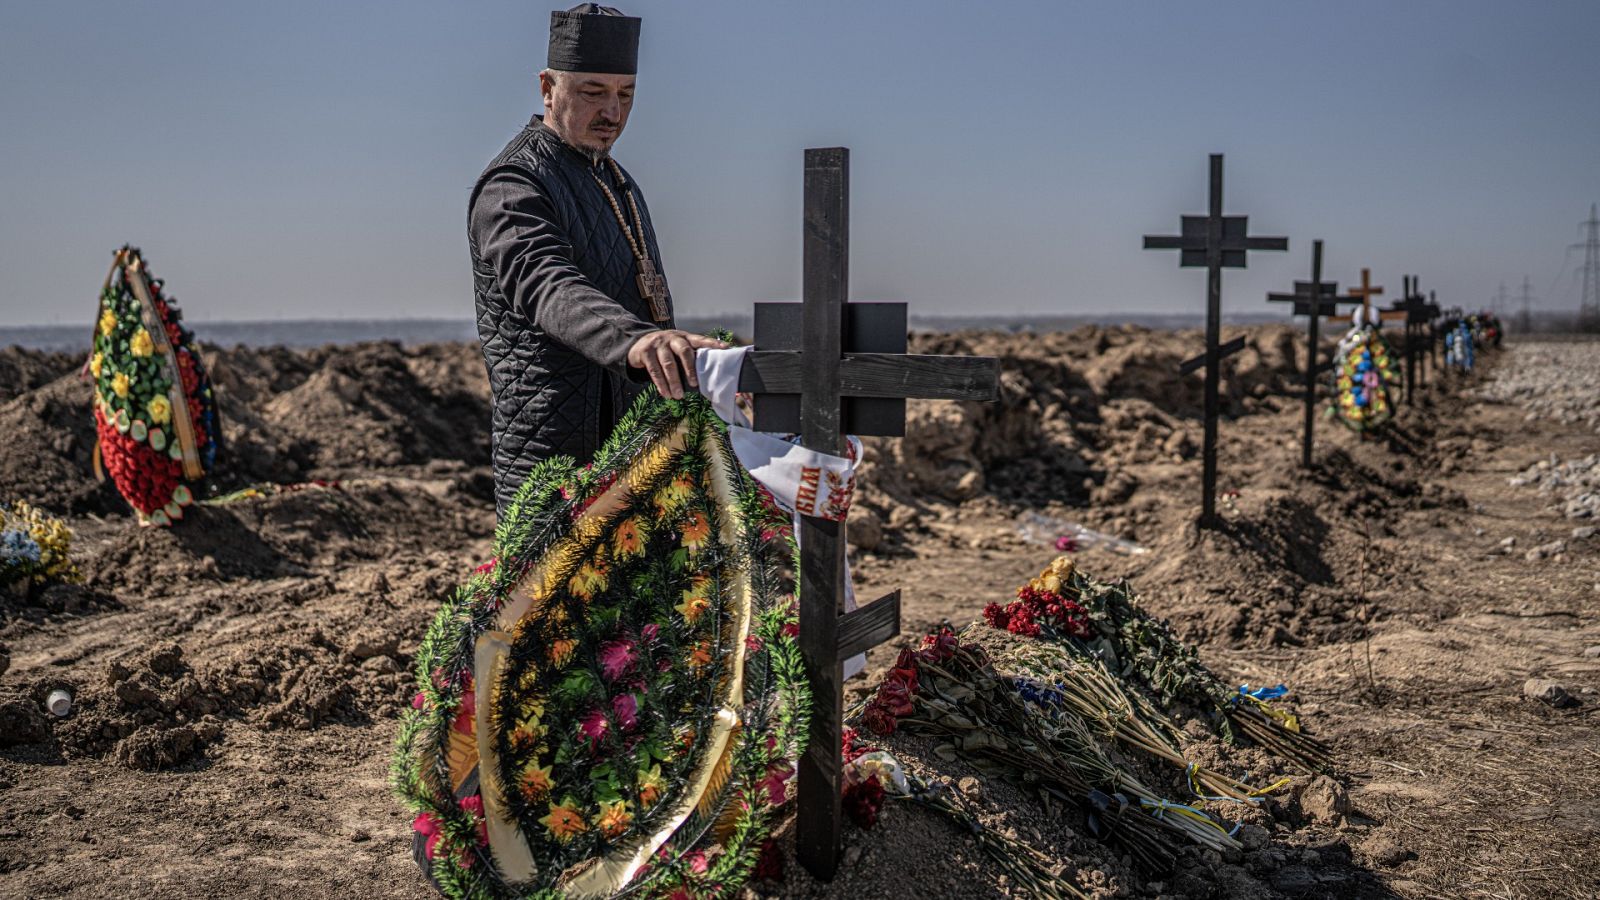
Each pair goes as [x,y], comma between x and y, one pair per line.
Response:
[574,312]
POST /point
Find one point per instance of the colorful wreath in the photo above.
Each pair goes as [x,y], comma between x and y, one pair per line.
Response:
[617,701]
[154,413]
[1460,348]
[1365,371]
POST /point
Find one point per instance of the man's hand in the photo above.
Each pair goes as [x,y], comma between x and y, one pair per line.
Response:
[669,358]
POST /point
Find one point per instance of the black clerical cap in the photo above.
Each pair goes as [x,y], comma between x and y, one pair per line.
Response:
[594,38]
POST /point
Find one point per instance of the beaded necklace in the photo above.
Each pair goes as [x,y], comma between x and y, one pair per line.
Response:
[652,285]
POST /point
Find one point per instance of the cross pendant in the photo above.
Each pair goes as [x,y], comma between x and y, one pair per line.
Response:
[653,288]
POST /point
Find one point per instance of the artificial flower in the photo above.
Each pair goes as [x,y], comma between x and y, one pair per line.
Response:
[614,819]
[108,323]
[160,409]
[473,806]
[593,726]
[616,657]
[651,785]
[465,720]
[672,496]
[428,825]
[629,539]
[564,821]
[96,363]
[120,384]
[696,599]
[589,580]
[561,651]
[700,656]
[535,783]
[140,344]
[625,708]
[696,532]
[775,783]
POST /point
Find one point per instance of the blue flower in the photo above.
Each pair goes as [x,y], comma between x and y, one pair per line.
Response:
[18,547]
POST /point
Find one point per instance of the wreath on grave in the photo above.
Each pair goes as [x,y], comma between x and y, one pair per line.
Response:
[1459,345]
[1489,331]
[1366,369]
[155,417]
[616,702]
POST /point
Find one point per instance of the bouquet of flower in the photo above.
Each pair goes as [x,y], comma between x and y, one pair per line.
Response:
[950,690]
[1364,373]
[155,416]
[34,548]
[1109,627]
[614,704]
[872,774]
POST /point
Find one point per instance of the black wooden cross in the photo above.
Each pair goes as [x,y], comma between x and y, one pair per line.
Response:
[1216,242]
[1433,313]
[825,368]
[1312,299]
[1415,309]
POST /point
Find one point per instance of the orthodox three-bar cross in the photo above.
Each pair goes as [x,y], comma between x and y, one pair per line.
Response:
[1313,299]
[1216,242]
[826,368]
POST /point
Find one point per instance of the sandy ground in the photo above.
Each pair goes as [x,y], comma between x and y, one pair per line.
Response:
[238,677]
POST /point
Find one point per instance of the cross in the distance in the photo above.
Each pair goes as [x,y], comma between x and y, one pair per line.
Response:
[1313,299]
[1213,241]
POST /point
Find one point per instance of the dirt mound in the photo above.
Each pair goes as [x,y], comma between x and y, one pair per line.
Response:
[23,370]
[1074,407]
[327,412]
[288,416]
[289,534]
[149,712]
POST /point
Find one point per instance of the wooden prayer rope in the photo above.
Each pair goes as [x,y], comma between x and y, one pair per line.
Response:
[652,286]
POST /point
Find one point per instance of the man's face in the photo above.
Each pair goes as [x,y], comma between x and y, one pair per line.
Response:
[588,110]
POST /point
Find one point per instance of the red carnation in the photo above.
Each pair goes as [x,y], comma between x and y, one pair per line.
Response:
[862,801]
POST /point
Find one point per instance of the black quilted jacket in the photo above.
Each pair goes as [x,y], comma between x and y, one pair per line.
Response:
[558,305]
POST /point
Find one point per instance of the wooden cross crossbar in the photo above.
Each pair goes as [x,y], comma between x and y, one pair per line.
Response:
[1314,299]
[825,368]
[1216,242]
[874,375]
[1226,350]
[1364,294]
[1196,242]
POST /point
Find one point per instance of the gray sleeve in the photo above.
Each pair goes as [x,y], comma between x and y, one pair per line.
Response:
[518,234]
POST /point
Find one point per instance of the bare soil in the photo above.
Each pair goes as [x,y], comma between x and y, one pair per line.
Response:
[238,678]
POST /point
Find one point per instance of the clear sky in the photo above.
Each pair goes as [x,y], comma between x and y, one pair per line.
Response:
[312,159]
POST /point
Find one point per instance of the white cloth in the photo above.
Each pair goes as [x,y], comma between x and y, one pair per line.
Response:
[803,481]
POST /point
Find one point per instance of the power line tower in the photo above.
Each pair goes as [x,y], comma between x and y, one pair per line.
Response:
[1589,303]
[1500,301]
[1526,318]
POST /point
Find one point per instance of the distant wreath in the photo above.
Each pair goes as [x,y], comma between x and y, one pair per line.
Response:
[155,416]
